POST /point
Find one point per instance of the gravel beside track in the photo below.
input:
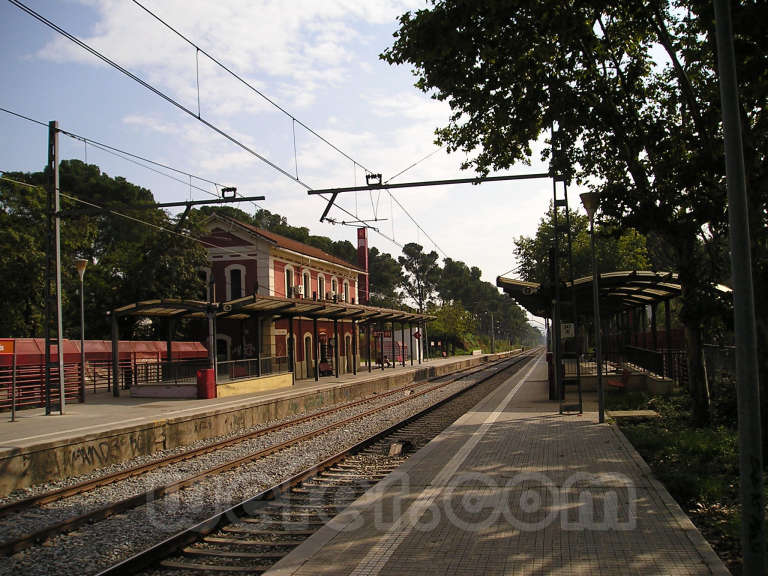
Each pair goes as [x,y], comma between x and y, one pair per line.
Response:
[163,454]
[97,546]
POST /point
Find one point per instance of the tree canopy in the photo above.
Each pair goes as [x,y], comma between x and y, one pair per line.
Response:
[617,249]
[626,96]
[129,262]
[421,274]
[126,262]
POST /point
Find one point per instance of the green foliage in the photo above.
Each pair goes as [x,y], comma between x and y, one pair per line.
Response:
[452,325]
[643,130]
[421,274]
[699,466]
[617,249]
[127,261]
[385,278]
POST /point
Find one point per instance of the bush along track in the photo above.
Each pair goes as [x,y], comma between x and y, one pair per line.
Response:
[699,467]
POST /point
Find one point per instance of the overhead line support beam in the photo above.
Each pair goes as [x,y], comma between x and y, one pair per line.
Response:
[213,201]
[336,191]
[419,184]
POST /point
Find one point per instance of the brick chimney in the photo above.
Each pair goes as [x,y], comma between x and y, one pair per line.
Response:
[362,262]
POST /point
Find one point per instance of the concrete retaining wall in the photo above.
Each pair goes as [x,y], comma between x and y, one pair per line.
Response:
[28,466]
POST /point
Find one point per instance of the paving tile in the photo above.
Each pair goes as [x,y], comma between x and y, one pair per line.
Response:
[538,493]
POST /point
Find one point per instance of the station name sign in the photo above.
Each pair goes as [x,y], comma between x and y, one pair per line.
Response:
[7,346]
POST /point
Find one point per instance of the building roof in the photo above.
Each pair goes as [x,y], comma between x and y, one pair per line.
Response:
[291,244]
[617,291]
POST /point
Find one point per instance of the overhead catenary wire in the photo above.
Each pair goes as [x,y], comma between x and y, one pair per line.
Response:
[403,171]
[125,155]
[190,112]
[35,186]
[294,120]
[248,84]
[202,242]
[436,245]
[152,88]
[118,152]
[225,250]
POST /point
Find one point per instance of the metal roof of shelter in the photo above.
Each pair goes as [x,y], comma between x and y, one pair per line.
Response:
[166,308]
[267,306]
[320,309]
[617,291]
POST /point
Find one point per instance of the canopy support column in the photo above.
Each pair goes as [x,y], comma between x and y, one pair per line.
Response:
[316,346]
[355,333]
[336,344]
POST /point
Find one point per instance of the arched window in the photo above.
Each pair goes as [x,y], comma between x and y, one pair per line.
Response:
[334,286]
[235,280]
[288,282]
[320,286]
[346,291]
[307,285]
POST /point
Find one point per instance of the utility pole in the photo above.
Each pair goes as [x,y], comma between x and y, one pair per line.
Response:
[53,270]
[745,328]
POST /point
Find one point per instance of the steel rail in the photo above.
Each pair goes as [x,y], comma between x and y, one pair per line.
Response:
[149,557]
[17,544]
[92,484]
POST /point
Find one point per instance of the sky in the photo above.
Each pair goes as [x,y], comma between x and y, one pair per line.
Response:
[317,59]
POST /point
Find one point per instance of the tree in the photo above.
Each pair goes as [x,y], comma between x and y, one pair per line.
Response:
[645,134]
[128,261]
[421,274]
[617,249]
[459,283]
[385,278]
[452,325]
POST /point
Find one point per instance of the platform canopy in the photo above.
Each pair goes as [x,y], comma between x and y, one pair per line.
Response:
[307,308]
[257,305]
[617,291]
[166,308]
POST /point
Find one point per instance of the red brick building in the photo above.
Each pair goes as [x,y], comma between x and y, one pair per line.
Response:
[246,260]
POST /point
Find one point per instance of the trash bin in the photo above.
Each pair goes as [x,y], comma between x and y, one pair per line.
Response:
[206,383]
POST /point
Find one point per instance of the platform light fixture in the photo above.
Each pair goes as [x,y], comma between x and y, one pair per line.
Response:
[591,202]
[228,192]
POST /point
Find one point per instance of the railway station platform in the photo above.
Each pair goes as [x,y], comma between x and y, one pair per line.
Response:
[106,430]
[512,487]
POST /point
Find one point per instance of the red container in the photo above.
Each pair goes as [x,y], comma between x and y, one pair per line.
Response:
[206,383]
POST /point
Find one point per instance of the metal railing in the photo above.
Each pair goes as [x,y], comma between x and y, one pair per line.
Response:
[25,388]
[666,363]
[647,360]
[229,370]
[182,372]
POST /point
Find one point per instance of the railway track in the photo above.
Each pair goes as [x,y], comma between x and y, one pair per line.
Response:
[33,504]
[251,536]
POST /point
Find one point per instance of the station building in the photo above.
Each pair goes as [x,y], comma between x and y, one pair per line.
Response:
[248,263]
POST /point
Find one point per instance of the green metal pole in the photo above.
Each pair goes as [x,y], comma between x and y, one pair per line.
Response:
[598,342]
[747,376]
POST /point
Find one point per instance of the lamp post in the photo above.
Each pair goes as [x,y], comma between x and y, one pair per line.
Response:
[81,263]
[591,202]
[493,335]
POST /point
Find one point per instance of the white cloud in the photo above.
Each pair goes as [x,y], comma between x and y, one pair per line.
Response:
[304,44]
[151,123]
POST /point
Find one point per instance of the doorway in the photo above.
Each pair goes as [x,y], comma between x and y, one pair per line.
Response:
[308,356]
